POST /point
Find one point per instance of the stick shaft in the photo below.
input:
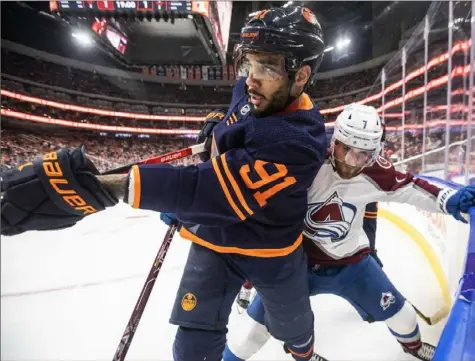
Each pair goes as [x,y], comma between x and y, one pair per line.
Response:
[137,313]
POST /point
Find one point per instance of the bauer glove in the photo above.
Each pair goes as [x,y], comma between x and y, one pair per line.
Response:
[206,132]
[53,192]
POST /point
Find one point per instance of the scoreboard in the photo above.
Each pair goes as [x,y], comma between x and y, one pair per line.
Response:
[121,6]
[132,41]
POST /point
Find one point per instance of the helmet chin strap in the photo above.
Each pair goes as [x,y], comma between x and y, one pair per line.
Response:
[290,98]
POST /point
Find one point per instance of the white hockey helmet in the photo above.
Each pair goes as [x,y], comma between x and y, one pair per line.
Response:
[359,127]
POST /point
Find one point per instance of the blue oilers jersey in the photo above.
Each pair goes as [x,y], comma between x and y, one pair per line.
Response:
[250,198]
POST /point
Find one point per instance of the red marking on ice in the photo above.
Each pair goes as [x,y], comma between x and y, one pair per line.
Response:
[138,216]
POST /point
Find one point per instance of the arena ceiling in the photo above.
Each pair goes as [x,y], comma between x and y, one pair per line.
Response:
[182,43]
[169,39]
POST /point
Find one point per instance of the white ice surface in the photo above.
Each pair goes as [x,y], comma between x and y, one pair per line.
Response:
[67,295]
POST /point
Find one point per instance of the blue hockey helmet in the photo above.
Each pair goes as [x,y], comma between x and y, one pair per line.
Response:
[292,31]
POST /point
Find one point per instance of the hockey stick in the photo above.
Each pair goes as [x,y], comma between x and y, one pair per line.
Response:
[134,320]
[164,158]
[436,318]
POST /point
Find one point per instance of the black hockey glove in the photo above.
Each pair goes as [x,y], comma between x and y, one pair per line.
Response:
[206,132]
[374,254]
[54,192]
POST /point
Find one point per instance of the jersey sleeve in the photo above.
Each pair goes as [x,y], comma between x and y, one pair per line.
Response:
[232,187]
[401,187]
[370,223]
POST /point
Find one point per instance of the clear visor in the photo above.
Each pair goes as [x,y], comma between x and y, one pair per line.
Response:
[351,156]
[259,70]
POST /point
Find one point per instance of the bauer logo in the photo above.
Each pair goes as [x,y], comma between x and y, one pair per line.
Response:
[188,302]
[59,183]
[171,157]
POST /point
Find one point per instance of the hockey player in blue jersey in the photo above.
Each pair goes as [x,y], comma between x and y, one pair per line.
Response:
[242,210]
[337,248]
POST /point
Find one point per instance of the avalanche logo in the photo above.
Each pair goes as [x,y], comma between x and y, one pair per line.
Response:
[329,220]
[387,299]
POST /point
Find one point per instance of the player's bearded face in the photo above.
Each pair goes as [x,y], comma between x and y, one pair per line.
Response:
[267,81]
[348,161]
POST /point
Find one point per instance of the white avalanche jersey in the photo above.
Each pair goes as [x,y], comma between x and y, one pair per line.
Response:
[333,231]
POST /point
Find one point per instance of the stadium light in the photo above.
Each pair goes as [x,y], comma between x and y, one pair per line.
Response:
[342,43]
[82,38]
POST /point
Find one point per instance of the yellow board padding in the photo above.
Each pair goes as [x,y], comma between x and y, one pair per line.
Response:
[426,248]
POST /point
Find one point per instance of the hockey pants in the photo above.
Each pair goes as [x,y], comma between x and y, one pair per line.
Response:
[209,286]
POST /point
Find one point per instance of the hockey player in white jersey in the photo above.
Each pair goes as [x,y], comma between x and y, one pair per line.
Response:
[354,175]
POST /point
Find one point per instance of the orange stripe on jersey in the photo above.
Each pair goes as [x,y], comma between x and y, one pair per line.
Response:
[137,186]
[226,190]
[370,217]
[369,212]
[235,185]
[303,102]
[255,252]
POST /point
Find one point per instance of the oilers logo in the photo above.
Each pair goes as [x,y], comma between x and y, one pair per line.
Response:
[329,221]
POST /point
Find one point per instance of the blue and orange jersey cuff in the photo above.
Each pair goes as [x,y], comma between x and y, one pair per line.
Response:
[134,191]
[153,187]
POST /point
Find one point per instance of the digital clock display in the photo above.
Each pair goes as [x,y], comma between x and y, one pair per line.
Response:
[65,6]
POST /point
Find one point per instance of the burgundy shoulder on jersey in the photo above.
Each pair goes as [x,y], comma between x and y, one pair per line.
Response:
[385,177]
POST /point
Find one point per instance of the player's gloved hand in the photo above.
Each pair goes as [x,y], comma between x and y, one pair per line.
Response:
[55,191]
[169,218]
[374,254]
[460,202]
[206,132]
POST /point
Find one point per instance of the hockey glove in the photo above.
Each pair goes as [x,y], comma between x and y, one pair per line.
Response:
[460,202]
[169,218]
[374,254]
[206,132]
[54,192]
